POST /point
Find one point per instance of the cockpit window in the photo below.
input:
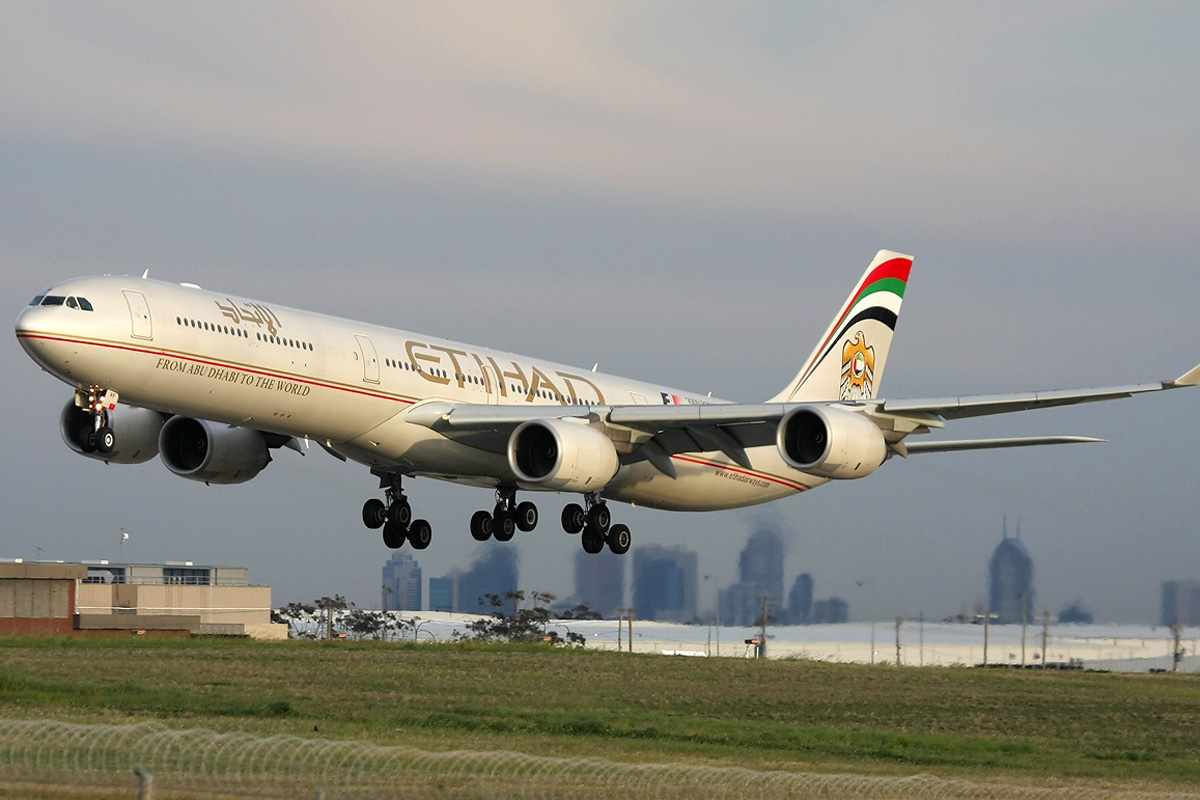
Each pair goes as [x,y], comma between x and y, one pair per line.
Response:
[71,303]
[84,304]
[37,301]
[54,300]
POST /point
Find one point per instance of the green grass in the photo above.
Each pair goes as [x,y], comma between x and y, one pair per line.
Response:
[994,724]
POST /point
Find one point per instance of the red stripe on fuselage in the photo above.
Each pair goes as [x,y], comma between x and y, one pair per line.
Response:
[212,363]
[766,476]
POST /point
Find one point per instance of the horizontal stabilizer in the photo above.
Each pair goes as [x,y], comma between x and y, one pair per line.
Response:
[955,445]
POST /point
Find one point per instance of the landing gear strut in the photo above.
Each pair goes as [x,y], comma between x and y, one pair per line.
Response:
[595,523]
[395,515]
[100,403]
[505,519]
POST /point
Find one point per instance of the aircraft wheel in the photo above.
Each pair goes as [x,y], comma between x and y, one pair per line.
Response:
[619,539]
[481,526]
[400,513]
[592,540]
[527,516]
[394,535]
[374,513]
[420,534]
[503,524]
[106,440]
[573,518]
[599,517]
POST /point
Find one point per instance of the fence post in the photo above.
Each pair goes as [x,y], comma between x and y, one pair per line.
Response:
[145,783]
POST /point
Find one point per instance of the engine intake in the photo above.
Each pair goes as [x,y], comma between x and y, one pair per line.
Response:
[136,431]
[562,455]
[202,450]
[830,442]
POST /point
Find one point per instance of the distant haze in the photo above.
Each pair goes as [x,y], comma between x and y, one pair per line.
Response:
[680,191]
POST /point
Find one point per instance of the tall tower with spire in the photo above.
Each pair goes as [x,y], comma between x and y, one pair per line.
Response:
[1010,579]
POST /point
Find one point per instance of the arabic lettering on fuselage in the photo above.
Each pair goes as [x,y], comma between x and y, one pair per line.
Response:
[257,313]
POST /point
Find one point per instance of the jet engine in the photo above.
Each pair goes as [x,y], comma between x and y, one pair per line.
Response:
[562,455]
[212,452]
[830,442]
[136,432]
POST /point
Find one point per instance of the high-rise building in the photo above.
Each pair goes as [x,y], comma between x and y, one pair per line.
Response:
[664,583]
[1010,577]
[1181,603]
[600,582]
[493,572]
[761,564]
[800,600]
[741,604]
[401,583]
[442,593]
[831,610]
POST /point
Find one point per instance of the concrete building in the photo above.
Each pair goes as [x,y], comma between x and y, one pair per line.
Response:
[800,600]
[1010,579]
[402,583]
[107,597]
[760,575]
[494,572]
[600,582]
[664,583]
[1181,603]
[831,610]
[443,593]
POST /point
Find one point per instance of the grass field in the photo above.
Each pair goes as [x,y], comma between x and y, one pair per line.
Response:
[1136,730]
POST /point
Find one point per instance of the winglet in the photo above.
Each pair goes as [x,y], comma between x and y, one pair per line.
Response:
[1189,378]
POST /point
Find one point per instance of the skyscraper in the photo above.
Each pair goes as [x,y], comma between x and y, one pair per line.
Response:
[761,565]
[600,582]
[800,600]
[664,583]
[493,572]
[1010,576]
[831,610]
[401,583]
[442,593]
[1181,603]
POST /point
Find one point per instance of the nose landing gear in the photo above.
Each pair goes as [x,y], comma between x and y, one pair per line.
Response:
[395,516]
[595,524]
[100,403]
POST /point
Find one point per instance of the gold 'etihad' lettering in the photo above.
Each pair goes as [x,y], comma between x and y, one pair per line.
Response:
[414,358]
[569,379]
[487,381]
[450,351]
[539,379]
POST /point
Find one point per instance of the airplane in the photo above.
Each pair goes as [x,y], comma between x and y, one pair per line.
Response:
[212,382]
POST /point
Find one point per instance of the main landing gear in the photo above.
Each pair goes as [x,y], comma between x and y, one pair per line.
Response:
[100,403]
[506,518]
[395,516]
[595,525]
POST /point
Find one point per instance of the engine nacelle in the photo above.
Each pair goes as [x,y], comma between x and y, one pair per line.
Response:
[562,455]
[830,442]
[136,430]
[212,452]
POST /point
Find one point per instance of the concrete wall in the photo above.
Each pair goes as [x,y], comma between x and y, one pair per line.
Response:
[215,605]
[37,598]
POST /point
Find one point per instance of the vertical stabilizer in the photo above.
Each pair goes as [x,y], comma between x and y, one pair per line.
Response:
[848,361]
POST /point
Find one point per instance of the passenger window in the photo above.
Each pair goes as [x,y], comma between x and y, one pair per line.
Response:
[84,304]
[37,300]
[53,300]
[71,303]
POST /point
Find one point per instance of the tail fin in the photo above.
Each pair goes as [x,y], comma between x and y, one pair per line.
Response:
[848,362]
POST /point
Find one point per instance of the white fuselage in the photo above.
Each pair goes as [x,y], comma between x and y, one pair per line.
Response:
[349,385]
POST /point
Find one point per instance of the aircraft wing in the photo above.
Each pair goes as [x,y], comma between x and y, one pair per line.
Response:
[654,433]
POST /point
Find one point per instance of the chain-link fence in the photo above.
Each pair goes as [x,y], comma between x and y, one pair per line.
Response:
[46,758]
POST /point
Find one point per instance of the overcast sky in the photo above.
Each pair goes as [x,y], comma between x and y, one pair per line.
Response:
[685,192]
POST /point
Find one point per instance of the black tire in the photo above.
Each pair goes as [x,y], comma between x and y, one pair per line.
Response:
[527,516]
[374,513]
[394,535]
[592,541]
[106,440]
[88,443]
[599,518]
[481,526]
[503,524]
[420,534]
[573,518]
[619,539]
[400,513]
